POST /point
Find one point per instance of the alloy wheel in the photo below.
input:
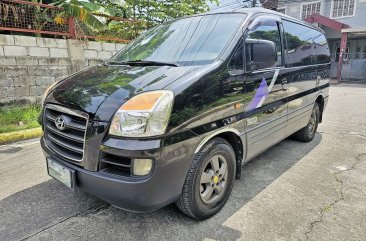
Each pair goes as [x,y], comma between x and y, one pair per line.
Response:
[213,179]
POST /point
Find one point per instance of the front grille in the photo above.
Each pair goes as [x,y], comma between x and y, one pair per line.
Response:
[65,140]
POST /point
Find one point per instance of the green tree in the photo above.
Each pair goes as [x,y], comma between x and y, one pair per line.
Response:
[293,41]
[148,13]
[154,11]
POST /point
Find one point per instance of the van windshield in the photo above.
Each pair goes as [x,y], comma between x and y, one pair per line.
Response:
[189,41]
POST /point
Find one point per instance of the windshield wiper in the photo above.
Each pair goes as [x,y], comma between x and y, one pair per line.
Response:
[116,63]
[152,62]
[143,62]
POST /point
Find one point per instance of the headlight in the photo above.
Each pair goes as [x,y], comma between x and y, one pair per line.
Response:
[144,115]
[45,94]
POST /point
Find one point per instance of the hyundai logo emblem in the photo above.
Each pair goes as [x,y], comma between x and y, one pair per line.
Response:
[60,123]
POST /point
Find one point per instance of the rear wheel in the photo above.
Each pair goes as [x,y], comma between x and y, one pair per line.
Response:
[307,133]
[209,181]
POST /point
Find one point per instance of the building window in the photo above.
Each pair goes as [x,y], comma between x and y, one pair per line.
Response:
[358,52]
[310,8]
[343,8]
[281,10]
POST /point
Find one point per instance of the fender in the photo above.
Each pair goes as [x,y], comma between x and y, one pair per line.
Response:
[322,106]
[319,94]
[239,150]
[209,137]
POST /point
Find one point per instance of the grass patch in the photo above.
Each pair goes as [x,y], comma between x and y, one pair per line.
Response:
[14,118]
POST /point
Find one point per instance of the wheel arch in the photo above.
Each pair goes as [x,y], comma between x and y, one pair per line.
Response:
[232,136]
[320,100]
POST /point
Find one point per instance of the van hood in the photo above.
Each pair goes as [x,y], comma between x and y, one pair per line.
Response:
[89,89]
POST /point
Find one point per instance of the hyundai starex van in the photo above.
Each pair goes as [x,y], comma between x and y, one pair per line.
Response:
[173,116]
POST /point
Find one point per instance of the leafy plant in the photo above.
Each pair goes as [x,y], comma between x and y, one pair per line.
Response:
[41,16]
[81,10]
[18,117]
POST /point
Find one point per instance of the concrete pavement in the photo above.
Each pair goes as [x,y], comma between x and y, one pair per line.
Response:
[294,191]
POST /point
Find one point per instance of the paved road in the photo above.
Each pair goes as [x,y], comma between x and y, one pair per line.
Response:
[294,191]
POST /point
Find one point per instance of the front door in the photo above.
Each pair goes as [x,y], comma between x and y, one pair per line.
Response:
[266,88]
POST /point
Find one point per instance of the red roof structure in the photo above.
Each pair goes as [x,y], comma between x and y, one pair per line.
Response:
[330,23]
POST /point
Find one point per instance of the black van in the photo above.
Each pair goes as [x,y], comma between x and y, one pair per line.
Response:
[174,115]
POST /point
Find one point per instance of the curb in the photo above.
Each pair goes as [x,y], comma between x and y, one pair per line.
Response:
[13,136]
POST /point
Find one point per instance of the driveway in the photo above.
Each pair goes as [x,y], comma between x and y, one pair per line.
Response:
[293,191]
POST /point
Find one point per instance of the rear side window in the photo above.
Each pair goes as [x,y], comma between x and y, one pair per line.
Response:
[305,45]
[322,53]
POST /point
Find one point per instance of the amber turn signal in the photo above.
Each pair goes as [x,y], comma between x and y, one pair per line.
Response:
[145,101]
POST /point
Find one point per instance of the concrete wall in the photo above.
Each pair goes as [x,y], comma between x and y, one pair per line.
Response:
[28,65]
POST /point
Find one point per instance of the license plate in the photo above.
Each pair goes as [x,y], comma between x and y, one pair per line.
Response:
[61,173]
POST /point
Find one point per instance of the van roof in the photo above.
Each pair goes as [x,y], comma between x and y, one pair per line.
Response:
[255,10]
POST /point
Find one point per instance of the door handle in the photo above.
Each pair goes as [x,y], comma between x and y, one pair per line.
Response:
[284,84]
[318,78]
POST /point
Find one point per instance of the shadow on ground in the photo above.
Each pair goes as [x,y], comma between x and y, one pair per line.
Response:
[50,211]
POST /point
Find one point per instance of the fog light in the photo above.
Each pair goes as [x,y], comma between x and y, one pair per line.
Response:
[142,167]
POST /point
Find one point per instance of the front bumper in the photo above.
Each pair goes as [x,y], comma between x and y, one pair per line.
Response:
[162,187]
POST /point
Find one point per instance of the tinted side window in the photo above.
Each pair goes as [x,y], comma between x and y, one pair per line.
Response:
[267,31]
[321,49]
[236,64]
[300,45]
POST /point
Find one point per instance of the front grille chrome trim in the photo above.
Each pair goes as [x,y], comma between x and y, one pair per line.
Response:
[67,150]
[65,145]
[67,136]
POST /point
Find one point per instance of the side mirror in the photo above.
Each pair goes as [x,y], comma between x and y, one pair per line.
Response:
[261,54]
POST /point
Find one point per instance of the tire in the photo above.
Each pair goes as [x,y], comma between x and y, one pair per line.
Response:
[307,133]
[202,179]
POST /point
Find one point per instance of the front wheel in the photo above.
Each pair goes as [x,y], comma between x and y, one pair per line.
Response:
[307,133]
[209,181]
